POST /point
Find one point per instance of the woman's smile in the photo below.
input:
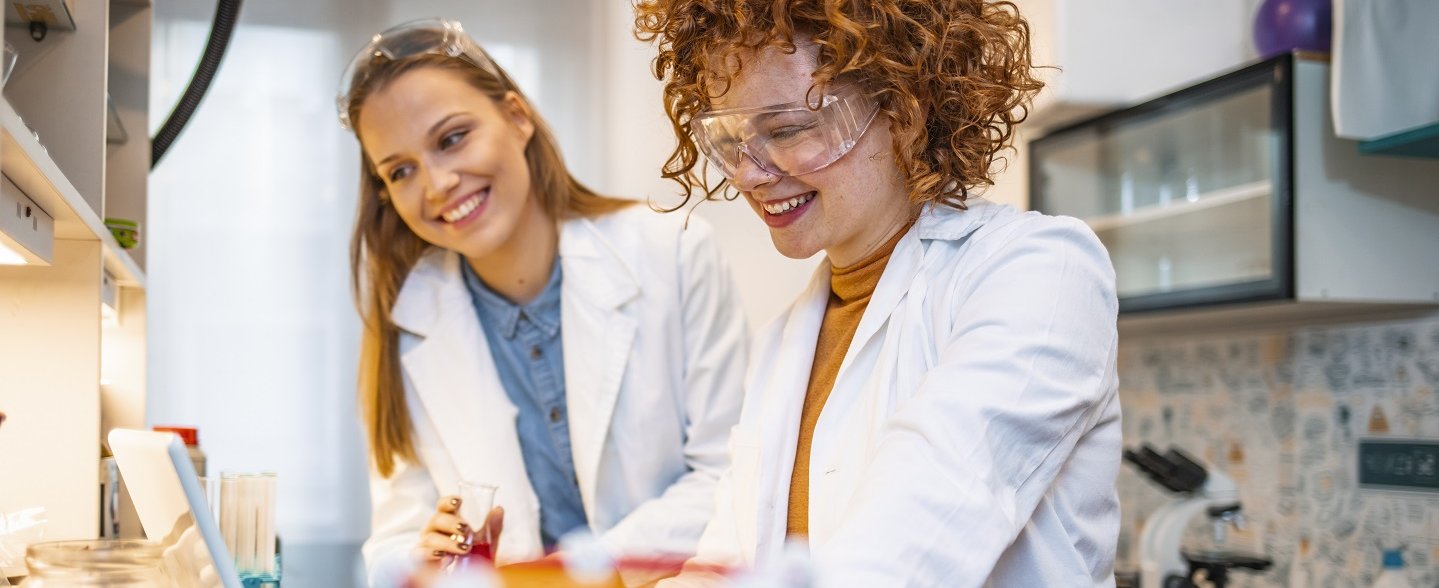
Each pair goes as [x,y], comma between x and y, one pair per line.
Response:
[464,211]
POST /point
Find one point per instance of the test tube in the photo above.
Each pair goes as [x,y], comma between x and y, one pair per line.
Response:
[245,525]
[265,551]
[230,512]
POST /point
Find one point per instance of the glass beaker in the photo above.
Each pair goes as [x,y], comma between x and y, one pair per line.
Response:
[476,501]
[94,564]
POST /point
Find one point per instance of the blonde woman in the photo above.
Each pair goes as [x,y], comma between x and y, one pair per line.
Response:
[581,354]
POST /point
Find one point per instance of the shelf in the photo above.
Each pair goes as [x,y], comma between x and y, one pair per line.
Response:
[1179,208]
[1420,142]
[1268,316]
[27,164]
[122,266]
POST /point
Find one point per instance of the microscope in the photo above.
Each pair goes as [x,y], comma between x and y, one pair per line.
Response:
[1162,563]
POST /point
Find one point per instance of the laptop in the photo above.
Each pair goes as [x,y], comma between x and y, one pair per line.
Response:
[172,507]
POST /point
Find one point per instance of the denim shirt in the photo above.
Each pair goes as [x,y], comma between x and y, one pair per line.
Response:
[526,349]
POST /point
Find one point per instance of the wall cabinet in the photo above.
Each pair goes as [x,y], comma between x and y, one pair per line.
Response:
[1235,191]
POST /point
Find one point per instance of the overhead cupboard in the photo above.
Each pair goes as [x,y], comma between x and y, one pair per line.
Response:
[1232,200]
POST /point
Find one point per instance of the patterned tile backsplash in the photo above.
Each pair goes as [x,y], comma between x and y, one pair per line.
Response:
[1282,412]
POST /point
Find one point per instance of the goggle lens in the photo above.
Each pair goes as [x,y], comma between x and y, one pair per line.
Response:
[787,139]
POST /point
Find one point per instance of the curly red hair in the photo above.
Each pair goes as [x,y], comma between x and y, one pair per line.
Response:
[953,76]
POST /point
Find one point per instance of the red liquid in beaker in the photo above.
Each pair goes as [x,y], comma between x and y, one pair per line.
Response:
[479,555]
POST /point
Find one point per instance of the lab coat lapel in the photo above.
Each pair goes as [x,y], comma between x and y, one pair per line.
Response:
[894,283]
[451,370]
[905,264]
[901,276]
[598,328]
[851,417]
[783,400]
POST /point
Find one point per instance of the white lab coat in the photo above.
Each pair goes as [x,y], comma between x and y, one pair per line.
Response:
[972,435]
[654,344]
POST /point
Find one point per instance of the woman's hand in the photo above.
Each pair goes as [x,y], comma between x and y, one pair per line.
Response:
[446,534]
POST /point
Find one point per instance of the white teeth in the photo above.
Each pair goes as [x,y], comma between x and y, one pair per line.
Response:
[466,207]
[784,206]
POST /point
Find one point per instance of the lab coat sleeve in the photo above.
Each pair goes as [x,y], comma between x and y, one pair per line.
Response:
[1021,374]
[719,544]
[715,346]
[401,505]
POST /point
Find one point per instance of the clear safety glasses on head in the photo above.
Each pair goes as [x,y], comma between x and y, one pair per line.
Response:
[431,36]
[786,139]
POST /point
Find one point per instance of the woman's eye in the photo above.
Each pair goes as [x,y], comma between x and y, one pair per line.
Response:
[451,139]
[399,173]
[789,132]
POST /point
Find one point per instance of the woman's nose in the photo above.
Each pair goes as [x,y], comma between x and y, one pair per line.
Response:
[439,182]
[749,175]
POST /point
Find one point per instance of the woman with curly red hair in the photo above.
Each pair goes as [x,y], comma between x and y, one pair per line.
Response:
[939,407]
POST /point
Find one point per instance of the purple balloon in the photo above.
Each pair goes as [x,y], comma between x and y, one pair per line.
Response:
[1282,26]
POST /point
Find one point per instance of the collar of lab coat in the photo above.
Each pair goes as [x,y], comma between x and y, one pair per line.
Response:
[435,284]
[935,223]
[784,401]
[943,223]
[461,391]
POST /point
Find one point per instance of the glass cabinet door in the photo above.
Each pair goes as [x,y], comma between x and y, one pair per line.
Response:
[1188,192]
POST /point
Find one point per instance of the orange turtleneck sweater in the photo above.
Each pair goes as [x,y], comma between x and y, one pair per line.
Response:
[849,291]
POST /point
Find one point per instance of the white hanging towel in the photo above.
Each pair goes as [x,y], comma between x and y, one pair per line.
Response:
[1386,75]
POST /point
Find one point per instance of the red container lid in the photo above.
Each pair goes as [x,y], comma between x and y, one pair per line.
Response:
[190,435]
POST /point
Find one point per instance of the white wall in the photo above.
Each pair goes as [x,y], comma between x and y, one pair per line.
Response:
[252,333]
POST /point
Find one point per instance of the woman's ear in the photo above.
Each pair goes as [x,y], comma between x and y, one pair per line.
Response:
[518,111]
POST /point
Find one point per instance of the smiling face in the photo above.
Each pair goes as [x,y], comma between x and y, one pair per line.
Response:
[847,209]
[452,160]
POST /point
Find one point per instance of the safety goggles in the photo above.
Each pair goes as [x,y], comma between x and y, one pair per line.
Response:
[431,36]
[789,139]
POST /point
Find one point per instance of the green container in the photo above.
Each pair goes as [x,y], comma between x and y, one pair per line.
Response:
[126,231]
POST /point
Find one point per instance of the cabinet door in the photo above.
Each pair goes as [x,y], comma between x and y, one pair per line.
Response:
[1189,192]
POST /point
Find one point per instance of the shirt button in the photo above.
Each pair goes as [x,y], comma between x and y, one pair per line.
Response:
[535,352]
[554,415]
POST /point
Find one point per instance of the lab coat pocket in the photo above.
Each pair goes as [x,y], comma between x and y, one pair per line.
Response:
[744,448]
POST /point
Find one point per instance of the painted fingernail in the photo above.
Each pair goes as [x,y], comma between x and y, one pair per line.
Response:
[455,502]
[437,553]
[462,529]
[465,547]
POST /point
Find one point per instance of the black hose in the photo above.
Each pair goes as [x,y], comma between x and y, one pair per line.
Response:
[227,12]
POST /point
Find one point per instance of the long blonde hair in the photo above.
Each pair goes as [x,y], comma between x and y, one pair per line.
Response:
[383,249]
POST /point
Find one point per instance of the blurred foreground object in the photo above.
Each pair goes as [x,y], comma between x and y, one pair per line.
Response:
[1386,80]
